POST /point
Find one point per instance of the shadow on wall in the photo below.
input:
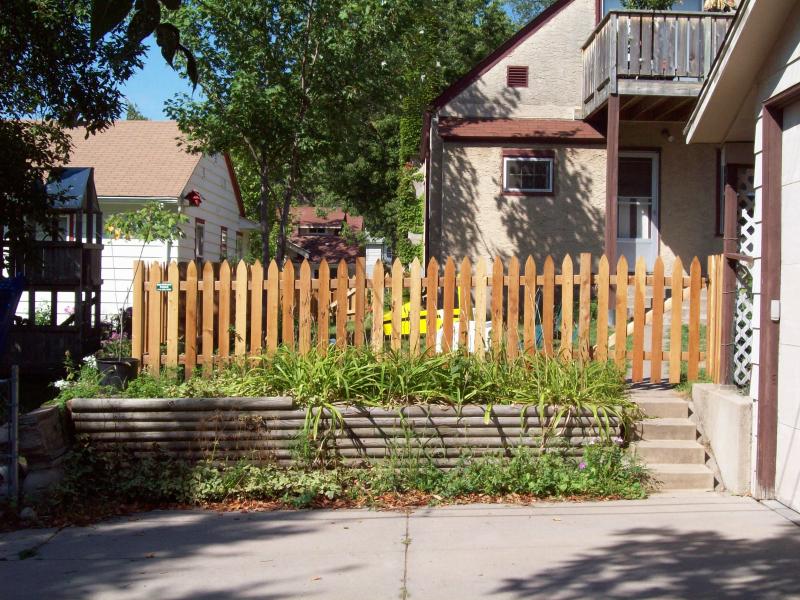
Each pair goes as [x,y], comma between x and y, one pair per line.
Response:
[658,563]
[555,225]
[481,221]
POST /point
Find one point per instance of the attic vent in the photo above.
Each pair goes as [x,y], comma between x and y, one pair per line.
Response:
[517,77]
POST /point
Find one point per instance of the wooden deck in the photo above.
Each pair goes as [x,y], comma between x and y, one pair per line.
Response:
[642,53]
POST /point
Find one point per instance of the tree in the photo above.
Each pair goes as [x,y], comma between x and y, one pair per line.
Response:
[648,4]
[133,114]
[282,82]
[523,11]
[374,173]
[53,78]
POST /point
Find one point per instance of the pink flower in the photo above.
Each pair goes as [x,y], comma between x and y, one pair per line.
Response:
[114,336]
[582,465]
[69,310]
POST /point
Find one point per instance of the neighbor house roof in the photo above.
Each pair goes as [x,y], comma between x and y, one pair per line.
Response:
[135,159]
[750,40]
[541,130]
[329,248]
[331,217]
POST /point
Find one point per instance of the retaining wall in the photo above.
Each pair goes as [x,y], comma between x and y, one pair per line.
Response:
[268,429]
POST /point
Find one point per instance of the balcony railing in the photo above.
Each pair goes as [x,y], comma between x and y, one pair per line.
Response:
[650,53]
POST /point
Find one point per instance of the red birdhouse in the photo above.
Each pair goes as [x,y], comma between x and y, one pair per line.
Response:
[194,198]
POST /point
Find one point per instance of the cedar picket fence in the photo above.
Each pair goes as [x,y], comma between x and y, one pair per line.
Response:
[222,313]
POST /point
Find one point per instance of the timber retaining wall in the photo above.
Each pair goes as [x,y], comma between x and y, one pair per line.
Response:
[268,429]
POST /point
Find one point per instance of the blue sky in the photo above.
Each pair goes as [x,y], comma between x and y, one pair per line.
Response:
[155,83]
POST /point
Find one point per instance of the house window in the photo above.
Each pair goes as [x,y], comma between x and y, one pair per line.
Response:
[223,243]
[199,238]
[239,244]
[528,174]
[517,76]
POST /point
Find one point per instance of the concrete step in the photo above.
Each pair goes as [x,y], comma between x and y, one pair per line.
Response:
[682,477]
[674,452]
[666,429]
[670,407]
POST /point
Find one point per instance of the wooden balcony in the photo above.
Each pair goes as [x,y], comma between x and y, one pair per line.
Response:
[651,54]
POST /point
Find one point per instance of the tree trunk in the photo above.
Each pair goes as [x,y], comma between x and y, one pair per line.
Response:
[264,213]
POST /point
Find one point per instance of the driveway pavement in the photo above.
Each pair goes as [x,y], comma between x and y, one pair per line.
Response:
[668,546]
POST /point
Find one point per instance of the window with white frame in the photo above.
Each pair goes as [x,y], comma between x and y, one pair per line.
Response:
[528,174]
[199,239]
[223,243]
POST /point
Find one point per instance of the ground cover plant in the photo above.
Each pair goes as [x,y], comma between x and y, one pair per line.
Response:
[100,483]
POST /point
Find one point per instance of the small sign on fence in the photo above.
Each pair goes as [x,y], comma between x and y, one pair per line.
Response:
[164,286]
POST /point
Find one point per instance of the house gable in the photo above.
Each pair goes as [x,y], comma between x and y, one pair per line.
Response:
[550,47]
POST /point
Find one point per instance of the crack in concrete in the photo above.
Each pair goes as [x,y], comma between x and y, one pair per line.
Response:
[406,543]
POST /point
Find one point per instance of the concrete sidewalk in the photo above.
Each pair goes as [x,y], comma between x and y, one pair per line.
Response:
[669,546]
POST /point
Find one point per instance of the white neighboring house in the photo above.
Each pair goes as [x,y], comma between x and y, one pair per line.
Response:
[136,162]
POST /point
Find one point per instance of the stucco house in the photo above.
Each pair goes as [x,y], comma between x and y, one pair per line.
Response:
[749,110]
[136,162]
[568,138]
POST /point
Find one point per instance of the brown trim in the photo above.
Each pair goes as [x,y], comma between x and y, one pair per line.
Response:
[527,153]
[199,221]
[566,142]
[235,183]
[612,178]
[718,195]
[515,74]
[501,52]
[766,451]
[598,11]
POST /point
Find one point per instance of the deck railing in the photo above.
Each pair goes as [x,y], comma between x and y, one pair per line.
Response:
[662,47]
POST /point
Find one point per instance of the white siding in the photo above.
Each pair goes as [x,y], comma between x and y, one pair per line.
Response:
[218,208]
[787,482]
[117,271]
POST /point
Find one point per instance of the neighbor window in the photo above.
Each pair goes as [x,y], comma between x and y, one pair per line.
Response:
[239,244]
[223,243]
[199,238]
[528,174]
[517,76]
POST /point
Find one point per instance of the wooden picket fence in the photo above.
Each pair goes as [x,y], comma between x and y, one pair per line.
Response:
[192,317]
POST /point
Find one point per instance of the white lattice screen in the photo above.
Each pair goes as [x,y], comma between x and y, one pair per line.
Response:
[743,312]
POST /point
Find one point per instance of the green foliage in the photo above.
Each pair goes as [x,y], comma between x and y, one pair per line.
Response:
[53,78]
[648,4]
[523,11]
[153,222]
[132,113]
[143,19]
[42,315]
[98,478]
[359,377]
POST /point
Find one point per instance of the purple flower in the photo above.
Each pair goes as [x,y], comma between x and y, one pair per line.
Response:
[582,465]
[114,336]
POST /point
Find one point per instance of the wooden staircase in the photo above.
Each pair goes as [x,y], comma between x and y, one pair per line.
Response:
[666,441]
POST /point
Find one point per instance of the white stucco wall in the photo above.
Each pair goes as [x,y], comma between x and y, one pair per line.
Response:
[555,73]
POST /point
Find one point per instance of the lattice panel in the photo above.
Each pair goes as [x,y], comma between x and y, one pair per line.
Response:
[743,312]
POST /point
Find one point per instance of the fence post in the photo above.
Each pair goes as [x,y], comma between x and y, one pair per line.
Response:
[137,318]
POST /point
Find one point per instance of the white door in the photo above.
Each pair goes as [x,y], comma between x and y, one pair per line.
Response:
[637,207]
[787,473]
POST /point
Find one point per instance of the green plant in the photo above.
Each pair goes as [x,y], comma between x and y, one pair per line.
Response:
[116,346]
[153,222]
[648,4]
[42,315]
[96,478]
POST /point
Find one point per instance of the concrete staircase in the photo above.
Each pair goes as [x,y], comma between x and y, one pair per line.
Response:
[666,441]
